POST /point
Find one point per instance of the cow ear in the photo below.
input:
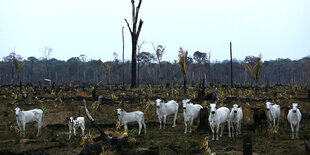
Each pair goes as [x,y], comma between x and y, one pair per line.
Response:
[299,106]
[67,118]
[239,106]
[74,117]
[290,106]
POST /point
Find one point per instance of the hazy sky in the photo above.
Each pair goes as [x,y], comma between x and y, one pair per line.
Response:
[275,28]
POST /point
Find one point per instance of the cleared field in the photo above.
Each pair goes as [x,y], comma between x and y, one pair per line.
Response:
[57,105]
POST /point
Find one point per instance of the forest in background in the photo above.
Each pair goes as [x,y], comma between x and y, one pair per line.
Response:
[151,70]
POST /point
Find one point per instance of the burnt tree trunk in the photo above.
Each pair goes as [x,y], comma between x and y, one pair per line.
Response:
[134,32]
[247,145]
[184,85]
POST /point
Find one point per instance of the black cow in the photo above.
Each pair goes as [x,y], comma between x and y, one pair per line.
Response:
[259,118]
[204,120]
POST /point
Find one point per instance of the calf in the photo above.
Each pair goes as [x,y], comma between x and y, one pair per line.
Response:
[136,116]
[217,118]
[191,112]
[259,117]
[165,109]
[75,123]
[294,118]
[235,119]
[23,117]
[273,113]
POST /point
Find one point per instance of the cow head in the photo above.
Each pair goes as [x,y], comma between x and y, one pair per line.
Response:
[294,107]
[184,103]
[119,112]
[71,119]
[235,108]
[17,110]
[268,104]
[158,101]
[212,108]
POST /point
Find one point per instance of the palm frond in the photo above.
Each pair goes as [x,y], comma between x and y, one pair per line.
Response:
[254,71]
[182,61]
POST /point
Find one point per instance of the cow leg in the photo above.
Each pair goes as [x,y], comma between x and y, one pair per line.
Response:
[175,118]
[185,123]
[39,129]
[20,128]
[74,131]
[140,127]
[228,123]
[212,129]
[24,129]
[292,130]
[217,131]
[239,128]
[191,124]
[159,119]
[82,128]
[144,126]
[125,126]
[297,129]
[165,117]
[70,129]
[232,128]
[222,129]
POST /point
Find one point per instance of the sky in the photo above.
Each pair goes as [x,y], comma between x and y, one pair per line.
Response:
[274,28]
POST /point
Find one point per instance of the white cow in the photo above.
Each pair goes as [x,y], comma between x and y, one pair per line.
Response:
[273,113]
[23,117]
[294,118]
[75,123]
[136,116]
[217,118]
[236,115]
[191,112]
[165,109]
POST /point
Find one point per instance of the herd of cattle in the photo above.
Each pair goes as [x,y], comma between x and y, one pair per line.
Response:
[218,117]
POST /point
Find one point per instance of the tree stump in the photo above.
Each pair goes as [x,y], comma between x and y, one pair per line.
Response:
[247,145]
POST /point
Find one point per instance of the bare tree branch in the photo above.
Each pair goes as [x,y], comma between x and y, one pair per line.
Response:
[133,13]
[137,11]
[128,26]
[139,28]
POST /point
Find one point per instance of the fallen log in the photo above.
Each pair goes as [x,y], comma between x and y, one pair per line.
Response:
[114,143]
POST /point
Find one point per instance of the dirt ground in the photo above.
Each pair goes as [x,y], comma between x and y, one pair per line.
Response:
[169,140]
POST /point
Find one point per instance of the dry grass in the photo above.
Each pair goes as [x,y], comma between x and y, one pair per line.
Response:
[272,141]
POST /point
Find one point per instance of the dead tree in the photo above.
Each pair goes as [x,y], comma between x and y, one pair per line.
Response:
[231,67]
[123,57]
[134,32]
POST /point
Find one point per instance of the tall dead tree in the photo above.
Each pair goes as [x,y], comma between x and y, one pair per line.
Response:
[134,32]
[123,57]
[231,68]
